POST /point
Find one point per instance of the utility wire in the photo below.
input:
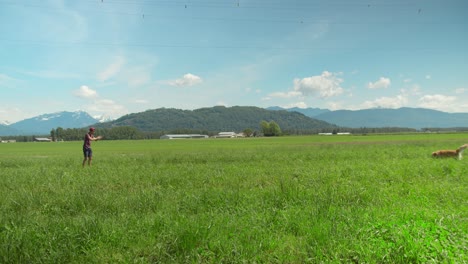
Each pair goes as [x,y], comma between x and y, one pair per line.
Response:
[299,20]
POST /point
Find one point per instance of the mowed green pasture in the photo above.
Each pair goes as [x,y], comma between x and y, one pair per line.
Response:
[310,199]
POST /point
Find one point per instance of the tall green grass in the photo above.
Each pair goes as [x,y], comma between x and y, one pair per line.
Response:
[361,199]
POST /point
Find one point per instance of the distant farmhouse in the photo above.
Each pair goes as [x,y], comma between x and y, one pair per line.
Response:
[330,134]
[37,139]
[229,135]
[219,135]
[8,141]
[182,136]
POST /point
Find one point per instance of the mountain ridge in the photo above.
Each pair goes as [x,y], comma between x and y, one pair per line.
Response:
[44,123]
[242,117]
[407,117]
[417,118]
[218,118]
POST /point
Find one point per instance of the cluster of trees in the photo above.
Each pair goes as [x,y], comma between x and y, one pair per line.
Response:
[270,129]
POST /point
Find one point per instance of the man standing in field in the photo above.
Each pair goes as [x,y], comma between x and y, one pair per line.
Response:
[87,151]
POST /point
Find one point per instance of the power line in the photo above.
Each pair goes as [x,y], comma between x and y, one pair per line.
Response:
[296,20]
[267,4]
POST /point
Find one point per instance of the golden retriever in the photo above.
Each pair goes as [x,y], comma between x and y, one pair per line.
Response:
[457,153]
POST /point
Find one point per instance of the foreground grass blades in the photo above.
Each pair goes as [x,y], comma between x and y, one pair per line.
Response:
[362,199]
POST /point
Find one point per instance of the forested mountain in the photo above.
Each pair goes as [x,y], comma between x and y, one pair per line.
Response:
[310,112]
[416,118]
[7,130]
[216,119]
[405,117]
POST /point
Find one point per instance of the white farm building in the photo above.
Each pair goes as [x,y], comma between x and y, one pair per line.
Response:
[330,134]
[182,136]
[38,139]
[229,135]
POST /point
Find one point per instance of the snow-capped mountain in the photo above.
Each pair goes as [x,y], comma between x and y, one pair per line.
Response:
[103,118]
[43,124]
[4,123]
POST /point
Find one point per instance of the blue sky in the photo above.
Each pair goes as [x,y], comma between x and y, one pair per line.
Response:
[114,57]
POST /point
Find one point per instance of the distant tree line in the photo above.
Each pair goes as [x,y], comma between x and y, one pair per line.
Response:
[267,129]
[20,138]
[270,128]
[380,130]
[72,134]
[449,129]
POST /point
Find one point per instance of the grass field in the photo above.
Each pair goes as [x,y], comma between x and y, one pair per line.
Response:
[311,199]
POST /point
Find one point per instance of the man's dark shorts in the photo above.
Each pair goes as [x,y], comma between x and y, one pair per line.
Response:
[87,152]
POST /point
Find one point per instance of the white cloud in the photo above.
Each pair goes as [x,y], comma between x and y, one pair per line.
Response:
[111,70]
[415,89]
[85,92]
[134,72]
[10,114]
[63,24]
[98,106]
[298,104]
[7,81]
[187,80]
[325,85]
[222,103]
[289,94]
[428,77]
[4,77]
[107,107]
[460,90]
[437,101]
[386,102]
[320,29]
[52,74]
[411,91]
[381,83]
[335,105]
[138,76]
[141,101]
